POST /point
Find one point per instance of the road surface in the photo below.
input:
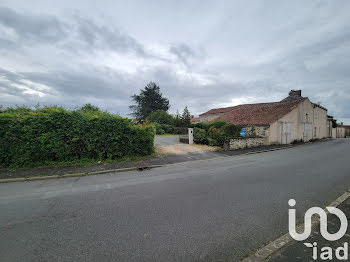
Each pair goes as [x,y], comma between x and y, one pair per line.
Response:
[213,210]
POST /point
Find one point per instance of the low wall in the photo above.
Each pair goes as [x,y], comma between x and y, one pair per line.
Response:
[243,142]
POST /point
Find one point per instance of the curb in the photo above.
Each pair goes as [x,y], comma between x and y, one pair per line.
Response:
[266,251]
[36,178]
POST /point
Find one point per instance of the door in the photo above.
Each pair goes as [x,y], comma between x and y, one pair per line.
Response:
[286,133]
[307,132]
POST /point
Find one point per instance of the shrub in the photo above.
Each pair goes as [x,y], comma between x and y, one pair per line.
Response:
[231,130]
[216,136]
[163,129]
[168,129]
[53,134]
[181,130]
[201,126]
[217,124]
[161,117]
[214,133]
[200,136]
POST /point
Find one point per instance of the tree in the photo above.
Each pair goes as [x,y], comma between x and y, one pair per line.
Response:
[161,117]
[148,101]
[177,119]
[186,117]
[89,107]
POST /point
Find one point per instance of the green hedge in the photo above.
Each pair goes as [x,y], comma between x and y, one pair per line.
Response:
[53,134]
[169,129]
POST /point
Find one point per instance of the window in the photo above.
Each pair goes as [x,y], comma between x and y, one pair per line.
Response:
[307,118]
[315,132]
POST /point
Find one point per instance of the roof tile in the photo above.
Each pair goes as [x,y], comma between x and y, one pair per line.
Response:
[255,114]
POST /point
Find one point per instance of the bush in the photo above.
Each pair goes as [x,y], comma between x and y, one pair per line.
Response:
[181,130]
[217,124]
[216,136]
[53,134]
[200,136]
[214,133]
[231,130]
[161,117]
[163,129]
[201,126]
[168,129]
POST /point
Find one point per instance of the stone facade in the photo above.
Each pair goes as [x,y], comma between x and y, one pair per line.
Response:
[347,131]
[257,130]
[338,132]
[209,117]
[307,121]
[243,142]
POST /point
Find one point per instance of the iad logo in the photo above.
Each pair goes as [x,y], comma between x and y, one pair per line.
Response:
[323,223]
[341,252]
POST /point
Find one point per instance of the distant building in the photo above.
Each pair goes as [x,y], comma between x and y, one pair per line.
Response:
[347,131]
[194,120]
[295,118]
[339,131]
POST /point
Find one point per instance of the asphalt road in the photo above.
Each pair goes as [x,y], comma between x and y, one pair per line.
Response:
[212,210]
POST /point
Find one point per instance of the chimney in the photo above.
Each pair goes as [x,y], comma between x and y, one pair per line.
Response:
[295,93]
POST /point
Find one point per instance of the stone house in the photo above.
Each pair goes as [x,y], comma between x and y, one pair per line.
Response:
[194,120]
[295,118]
[347,131]
[339,131]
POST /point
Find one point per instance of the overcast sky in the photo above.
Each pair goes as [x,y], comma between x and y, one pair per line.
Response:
[202,54]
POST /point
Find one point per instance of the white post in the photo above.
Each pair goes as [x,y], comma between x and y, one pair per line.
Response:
[190,136]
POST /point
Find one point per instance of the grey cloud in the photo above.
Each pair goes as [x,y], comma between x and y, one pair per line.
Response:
[76,34]
[71,87]
[33,28]
[183,52]
[101,36]
[254,57]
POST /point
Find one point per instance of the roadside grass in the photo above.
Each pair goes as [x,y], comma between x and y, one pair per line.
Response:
[82,162]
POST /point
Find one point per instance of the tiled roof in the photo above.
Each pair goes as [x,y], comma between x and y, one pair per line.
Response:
[255,114]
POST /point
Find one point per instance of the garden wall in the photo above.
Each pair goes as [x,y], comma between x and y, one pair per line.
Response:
[243,142]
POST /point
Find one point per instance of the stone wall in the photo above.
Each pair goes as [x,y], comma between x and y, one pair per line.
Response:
[243,142]
[257,130]
[209,117]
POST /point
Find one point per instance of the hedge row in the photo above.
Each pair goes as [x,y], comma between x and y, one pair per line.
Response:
[53,134]
[214,133]
[169,129]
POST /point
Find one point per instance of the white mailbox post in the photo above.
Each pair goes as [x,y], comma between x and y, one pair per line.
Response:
[190,136]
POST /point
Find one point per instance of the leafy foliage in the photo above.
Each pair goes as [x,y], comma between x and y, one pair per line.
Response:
[161,117]
[89,108]
[148,101]
[200,136]
[163,129]
[52,134]
[186,117]
[214,133]
[177,119]
[216,136]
